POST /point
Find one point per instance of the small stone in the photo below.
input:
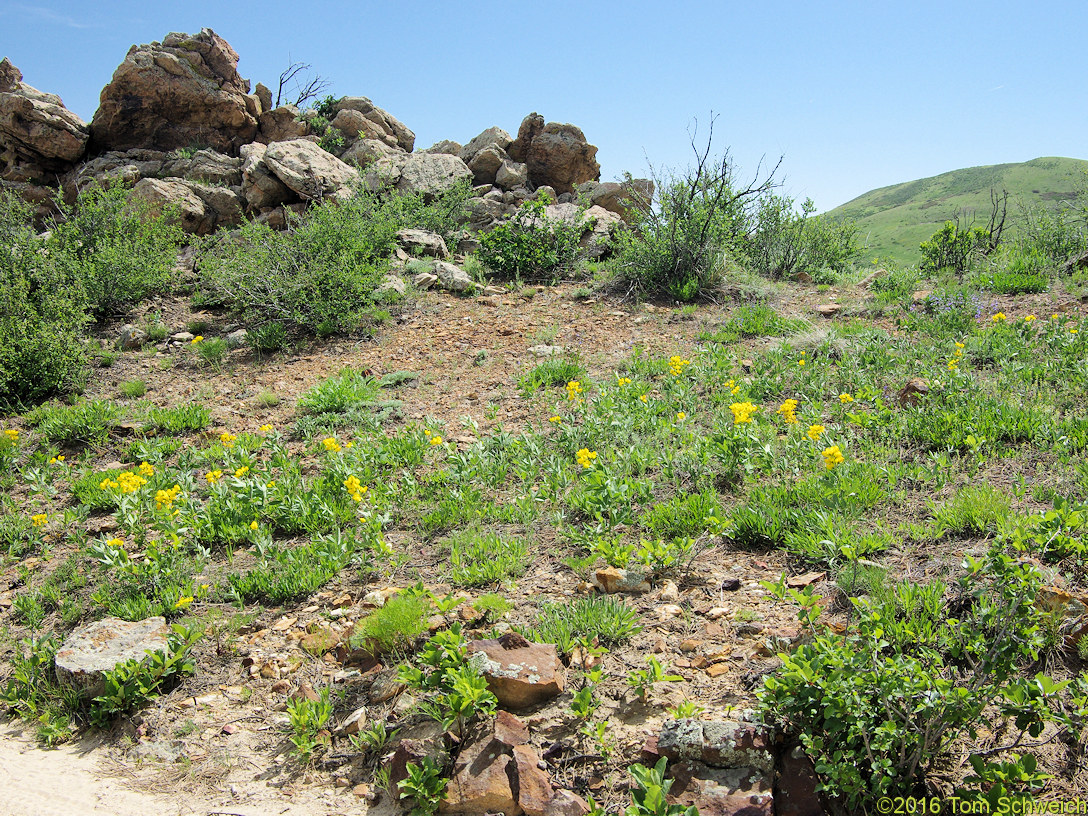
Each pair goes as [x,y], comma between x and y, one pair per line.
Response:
[669,592]
[730,584]
[566,803]
[509,730]
[424,280]
[305,692]
[362,790]
[690,645]
[353,723]
[717,669]
[716,612]
[131,338]
[183,337]
[519,673]
[611,580]
[827,309]
[802,581]
[237,338]
[668,611]
[281,686]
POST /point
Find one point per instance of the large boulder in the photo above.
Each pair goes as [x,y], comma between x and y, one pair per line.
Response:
[283,124]
[367,151]
[206,166]
[175,196]
[38,135]
[98,647]
[308,170]
[181,92]
[431,173]
[518,672]
[486,164]
[597,223]
[492,137]
[383,122]
[622,198]
[260,186]
[128,167]
[557,155]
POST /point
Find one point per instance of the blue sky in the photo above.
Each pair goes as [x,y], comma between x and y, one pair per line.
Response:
[853,95]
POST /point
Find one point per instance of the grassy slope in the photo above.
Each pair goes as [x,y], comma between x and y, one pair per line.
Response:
[895,220]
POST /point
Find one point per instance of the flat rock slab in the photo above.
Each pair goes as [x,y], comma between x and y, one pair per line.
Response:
[519,673]
[98,647]
[718,743]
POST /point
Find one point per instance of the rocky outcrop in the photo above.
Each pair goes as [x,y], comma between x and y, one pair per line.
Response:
[261,187]
[199,208]
[283,124]
[426,173]
[557,155]
[38,135]
[621,198]
[181,92]
[205,167]
[379,124]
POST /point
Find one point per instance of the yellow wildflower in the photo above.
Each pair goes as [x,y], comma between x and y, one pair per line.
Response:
[787,409]
[57,460]
[845,398]
[436,440]
[643,398]
[814,432]
[742,412]
[165,498]
[574,390]
[40,519]
[997,318]
[555,419]
[677,365]
[214,476]
[1029,318]
[331,444]
[196,339]
[183,602]
[833,457]
[253,525]
[1074,331]
[681,415]
[623,381]
[426,432]
[12,434]
[354,488]
[107,484]
[585,458]
[228,440]
[146,470]
[952,365]
[1054,316]
[265,428]
[115,542]
[242,471]
[129,482]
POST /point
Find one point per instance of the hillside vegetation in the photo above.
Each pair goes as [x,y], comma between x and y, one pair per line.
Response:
[892,221]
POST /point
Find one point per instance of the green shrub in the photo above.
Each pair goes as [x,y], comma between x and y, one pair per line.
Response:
[609,621]
[530,246]
[41,315]
[182,419]
[132,389]
[393,627]
[85,422]
[553,371]
[752,321]
[320,274]
[785,242]
[843,694]
[335,395]
[212,351]
[115,248]
[951,247]
[267,338]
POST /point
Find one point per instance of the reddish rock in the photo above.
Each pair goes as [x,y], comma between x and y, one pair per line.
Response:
[912,393]
[721,744]
[482,782]
[509,730]
[611,580]
[566,803]
[534,789]
[795,786]
[722,791]
[414,751]
[519,673]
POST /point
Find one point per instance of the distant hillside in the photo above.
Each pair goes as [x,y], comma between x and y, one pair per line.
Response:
[894,220]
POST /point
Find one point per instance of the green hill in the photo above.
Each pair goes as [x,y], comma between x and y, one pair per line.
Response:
[894,220]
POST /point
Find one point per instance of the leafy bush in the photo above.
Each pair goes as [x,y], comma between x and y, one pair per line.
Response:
[752,321]
[530,246]
[85,422]
[951,247]
[320,275]
[348,389]
[844,695]
[182,419]
[114,248]
[551,372]
[393,627]
[481,559]
[41,314]
[785,242]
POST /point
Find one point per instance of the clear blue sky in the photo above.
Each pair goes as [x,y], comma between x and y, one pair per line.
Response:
[854,95]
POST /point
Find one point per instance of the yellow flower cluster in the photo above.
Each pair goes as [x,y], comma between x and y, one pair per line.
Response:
[12,434]
[355,488]
[801,362]
[845,398]
[732,386]
[643,398]
[677,365]
[130,482]
[57,460]
[196,339]
[242,471]
[116,542]
[742,412]
[265,428]
[555,419]
[999,317]
[623,381]
[253,525]
[183,602]
[40,519]
[228,440]
[1029,318]
[585,457]
[165,498]
[814,432]
[214,476]
[331,445]
[788,411]
[146,470]
[833,457]
[436,440]
[574,391]
[107,484]
[681,415]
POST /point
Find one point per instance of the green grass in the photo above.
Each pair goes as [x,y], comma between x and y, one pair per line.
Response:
[894,220]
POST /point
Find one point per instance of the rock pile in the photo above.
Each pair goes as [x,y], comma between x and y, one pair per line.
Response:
[179,125]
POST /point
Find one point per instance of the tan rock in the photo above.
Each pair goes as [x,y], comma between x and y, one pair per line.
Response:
[534,788]
[308,170]
[519,673]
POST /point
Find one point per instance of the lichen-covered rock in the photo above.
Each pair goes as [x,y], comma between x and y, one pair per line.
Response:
[38,135]
[512,175]
[183,91]
[492,137]
[518,672]
[486,164]
[421,242]
[431,173]
[160,196]
[621,198]
[367,151]
[722,791]
[452,277]
[91,650]
[719,743]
